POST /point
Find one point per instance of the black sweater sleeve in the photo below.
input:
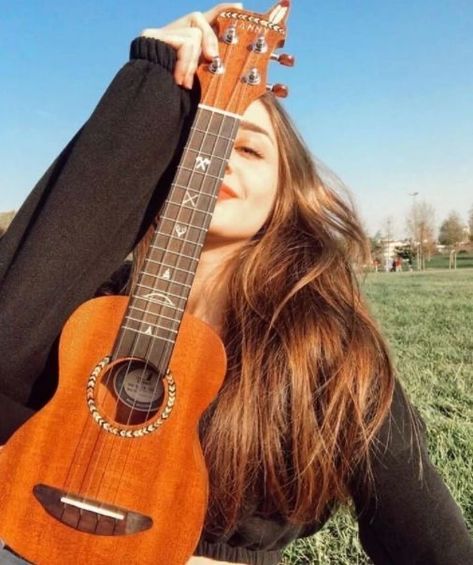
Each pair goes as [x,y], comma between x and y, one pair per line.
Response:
[409,517]
[86,213]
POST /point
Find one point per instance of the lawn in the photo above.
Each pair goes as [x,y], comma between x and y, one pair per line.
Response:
[428,321]
[464,261]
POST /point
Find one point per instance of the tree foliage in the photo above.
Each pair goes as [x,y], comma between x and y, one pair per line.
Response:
[452,230]
[420,223]
[470,222]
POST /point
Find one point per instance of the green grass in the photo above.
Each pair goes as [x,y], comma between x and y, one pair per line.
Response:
[464,261]
[428,321]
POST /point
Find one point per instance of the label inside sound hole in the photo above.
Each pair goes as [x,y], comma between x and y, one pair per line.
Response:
[139,387]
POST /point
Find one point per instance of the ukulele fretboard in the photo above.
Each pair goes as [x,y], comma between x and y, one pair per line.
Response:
[159,298]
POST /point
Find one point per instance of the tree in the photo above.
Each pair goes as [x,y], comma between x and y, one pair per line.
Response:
[470,223]
[405,252]
[452,230]
[377,247]
[420,224]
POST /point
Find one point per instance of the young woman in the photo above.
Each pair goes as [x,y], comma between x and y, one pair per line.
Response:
[310,415]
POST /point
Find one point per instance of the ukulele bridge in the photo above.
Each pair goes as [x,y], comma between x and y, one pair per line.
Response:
[90,516]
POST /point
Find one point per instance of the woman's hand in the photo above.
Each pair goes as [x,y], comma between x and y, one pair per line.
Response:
[190,36]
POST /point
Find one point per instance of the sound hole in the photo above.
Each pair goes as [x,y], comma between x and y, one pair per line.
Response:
[130,392]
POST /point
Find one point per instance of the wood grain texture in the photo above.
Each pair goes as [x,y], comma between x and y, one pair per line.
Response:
[162,475]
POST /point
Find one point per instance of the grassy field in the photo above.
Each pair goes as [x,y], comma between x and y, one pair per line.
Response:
[428,320]
[464,261]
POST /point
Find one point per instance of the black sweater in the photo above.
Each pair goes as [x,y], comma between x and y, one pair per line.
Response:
[75,229]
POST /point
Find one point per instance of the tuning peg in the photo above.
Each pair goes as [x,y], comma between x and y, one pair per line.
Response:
[279,90]
[283,59]
[216,66]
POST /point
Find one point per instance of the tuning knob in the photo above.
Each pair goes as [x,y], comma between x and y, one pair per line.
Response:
[253,77]
[260,45]
[283,59]
[216,66]
[230,37]
[279,90]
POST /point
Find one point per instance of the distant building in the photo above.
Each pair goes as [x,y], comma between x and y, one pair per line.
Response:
[388,247]
[5,220]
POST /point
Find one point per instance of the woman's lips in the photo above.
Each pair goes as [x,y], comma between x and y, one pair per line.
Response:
[226,192]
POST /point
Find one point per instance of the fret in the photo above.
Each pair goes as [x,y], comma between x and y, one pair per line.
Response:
[206,174]
[178,221]
[168,265]
[147,300]
[212,133]
[154,313]
[199,192]
[195,239]
[210,155]
[176,252]
[214,110]
[206,145]
[198,210]
[142,285]
[177,238]
[191,201]
[154,325]
[169,281]
[147,334]
[181,240]
[197,205]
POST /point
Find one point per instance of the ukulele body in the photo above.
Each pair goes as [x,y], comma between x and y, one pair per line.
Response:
[63,465]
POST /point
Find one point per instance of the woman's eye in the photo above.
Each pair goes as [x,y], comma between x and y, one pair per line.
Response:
[249,151]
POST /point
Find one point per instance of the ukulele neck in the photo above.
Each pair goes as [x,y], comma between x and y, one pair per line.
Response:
[159,298]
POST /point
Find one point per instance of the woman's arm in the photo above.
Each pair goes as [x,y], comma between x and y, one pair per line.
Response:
[410,516]
[85,215]
[95,201]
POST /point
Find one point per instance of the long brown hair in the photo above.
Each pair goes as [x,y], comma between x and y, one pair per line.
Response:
[309,378]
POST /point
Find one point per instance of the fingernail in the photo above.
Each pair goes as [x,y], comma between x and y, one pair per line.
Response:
[189,82]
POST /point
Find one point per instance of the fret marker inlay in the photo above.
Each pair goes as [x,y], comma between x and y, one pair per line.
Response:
[191,199]
[180,230]
[158,298]
[202,162]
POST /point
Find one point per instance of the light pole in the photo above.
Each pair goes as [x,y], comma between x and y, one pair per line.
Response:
[414,211]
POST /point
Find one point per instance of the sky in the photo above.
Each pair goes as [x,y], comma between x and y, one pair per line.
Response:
[382,91]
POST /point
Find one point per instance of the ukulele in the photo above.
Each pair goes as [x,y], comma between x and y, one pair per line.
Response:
[111,469]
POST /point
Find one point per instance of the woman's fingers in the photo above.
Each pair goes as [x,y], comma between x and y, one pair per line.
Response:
[191,36]
[187,59]
[187,43]
[209,43]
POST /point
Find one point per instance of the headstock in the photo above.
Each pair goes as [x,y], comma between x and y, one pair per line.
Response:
[247,41]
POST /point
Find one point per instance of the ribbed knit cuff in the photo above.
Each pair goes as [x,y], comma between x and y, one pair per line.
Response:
[154,51]
[225,552]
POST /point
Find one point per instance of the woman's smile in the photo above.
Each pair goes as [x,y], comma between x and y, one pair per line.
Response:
[226,192]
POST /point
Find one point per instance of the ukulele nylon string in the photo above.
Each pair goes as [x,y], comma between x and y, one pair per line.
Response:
[114,443]
[167,347]
[236,93]
[230,141]
[128,445]
[192,222]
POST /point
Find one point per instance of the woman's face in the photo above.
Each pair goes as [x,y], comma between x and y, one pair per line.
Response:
[251,179]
